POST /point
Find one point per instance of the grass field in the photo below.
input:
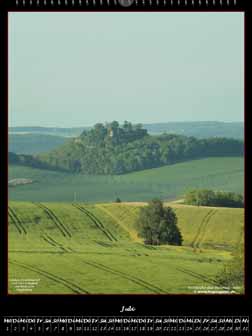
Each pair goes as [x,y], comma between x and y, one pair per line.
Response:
[80,248]
[167,182]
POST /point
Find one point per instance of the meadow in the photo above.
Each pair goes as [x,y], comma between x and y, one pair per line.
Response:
[83,248]
[168,182]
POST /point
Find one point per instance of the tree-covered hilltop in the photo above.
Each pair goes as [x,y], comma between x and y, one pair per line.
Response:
[114,149]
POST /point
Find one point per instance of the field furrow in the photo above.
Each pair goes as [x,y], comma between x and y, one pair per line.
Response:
[197,275]
[54,243]
[131,233]
[96,221]
[16,220]
[55,219]
[203,230]
[69,284]
[201,226]
[127,276]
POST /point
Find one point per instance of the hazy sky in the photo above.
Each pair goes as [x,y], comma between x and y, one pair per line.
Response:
[76,69]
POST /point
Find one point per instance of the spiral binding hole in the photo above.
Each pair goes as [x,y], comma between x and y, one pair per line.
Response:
[143,3]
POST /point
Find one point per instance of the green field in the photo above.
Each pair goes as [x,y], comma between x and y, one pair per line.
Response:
[169,182]
[84,248]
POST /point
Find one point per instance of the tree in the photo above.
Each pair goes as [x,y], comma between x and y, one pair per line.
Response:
[127,126]
[158,224]
[114,125]
[99,133]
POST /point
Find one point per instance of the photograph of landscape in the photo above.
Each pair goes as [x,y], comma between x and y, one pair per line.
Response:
[126,153]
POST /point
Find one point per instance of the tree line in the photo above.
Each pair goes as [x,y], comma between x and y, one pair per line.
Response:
[214,198]
[27,160]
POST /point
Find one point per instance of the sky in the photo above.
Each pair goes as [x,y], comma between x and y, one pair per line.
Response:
[77,69]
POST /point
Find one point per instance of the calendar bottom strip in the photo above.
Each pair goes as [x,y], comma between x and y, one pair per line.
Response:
[126,324]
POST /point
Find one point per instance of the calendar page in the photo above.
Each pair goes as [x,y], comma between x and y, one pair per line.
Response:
[125,183]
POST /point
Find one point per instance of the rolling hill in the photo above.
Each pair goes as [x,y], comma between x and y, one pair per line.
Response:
[81,248]
[168,182]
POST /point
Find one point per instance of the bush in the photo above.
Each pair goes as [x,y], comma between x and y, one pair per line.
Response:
[158,225]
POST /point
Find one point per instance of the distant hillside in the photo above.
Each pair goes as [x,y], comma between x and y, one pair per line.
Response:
[35,140]
[198,129]
[110,150]
[59,131]
[34,143]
